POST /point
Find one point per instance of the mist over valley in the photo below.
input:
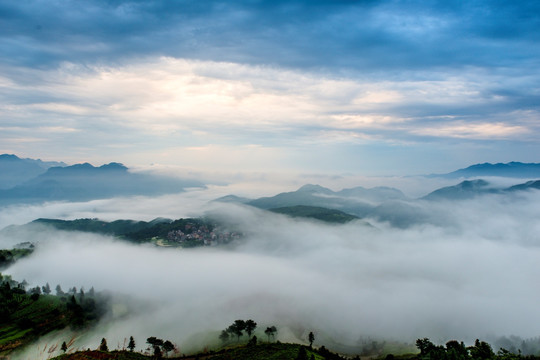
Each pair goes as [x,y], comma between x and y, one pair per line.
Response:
[354,266]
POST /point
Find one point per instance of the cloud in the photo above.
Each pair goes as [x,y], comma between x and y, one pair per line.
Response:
[174,106]
[475,131]
[350,34]
[467,277]
[348,78]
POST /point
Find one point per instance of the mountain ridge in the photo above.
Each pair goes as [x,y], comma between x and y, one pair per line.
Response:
[15,170]
[83,182]
[511,169]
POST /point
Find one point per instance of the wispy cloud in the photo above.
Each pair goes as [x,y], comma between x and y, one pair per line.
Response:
[280,75]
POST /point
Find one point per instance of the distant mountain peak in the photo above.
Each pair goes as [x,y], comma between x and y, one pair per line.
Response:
[87,167]
[464,190]
[314,189]
[9,157]
[114,166]
[82,182]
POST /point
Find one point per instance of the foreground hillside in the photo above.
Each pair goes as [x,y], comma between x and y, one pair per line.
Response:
[453,350]
[26,315]
[274,351]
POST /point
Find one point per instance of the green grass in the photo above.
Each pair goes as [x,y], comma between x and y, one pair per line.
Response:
[31,319]
[314,212]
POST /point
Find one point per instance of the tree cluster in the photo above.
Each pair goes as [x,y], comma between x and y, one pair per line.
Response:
[76,309]
[159,346]
[270,332]
[237,329]
[455,350]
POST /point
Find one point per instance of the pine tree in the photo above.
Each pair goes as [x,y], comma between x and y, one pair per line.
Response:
[59,291]
[131,344]
[103,346]
[46,289]
[311,338]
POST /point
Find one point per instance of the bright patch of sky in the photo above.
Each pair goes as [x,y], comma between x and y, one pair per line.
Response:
[366,87]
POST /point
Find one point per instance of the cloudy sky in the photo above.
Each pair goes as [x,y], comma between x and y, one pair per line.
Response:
[365,87]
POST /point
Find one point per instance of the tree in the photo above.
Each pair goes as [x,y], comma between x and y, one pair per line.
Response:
[424,345]
[64,347]
[481,350]
[103,346]
[157,352]
[159,342]
[236,328]
[151,340]
[131,344]
[59,291]
[156,344]
[46,289]
[168,346]
[224,336]
[456,350]
[252,341]
[270,331]
[250,327]
[311,338]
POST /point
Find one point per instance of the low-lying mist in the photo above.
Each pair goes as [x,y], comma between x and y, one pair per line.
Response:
[473,275]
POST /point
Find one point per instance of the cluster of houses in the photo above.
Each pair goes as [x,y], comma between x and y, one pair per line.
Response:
[201,234]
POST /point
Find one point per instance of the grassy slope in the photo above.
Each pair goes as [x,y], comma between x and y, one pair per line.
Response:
[275,351]
[314,212]
[31,319]
[27,319]
[9,257]
[138,231]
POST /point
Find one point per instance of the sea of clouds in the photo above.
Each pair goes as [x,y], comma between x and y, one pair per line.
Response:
[472,275]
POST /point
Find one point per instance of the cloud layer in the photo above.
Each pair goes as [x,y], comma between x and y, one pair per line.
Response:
[324,86]
[470,277]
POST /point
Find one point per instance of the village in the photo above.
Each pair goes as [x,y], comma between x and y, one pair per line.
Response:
[194,234]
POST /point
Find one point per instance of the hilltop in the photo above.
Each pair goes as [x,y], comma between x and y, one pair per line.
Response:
[83,182]
[314,212]
[190,232]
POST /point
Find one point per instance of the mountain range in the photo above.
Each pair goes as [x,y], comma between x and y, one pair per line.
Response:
[380,203]
[14,170]
[83,182]
[512,169]
[34,181]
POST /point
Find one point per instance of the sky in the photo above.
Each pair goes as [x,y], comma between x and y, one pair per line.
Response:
[326,87]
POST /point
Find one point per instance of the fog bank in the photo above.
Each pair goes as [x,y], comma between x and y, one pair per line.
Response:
[473,275]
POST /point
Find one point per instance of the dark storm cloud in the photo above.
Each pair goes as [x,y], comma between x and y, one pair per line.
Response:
[360,35]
